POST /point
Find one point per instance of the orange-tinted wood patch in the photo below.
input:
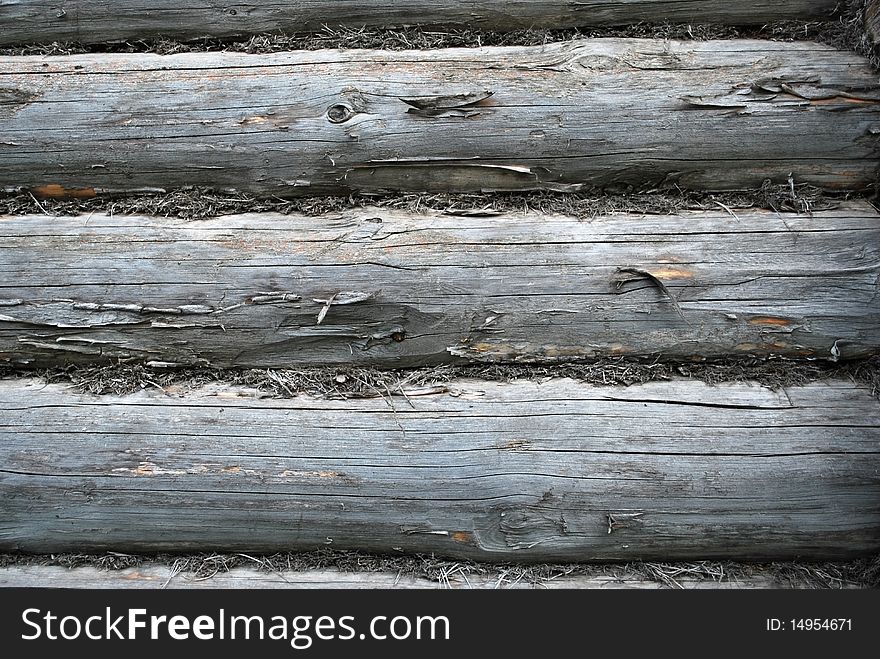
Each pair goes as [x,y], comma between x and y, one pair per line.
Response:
[55,191]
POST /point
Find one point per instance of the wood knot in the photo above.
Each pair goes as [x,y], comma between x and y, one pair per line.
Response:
[339,113]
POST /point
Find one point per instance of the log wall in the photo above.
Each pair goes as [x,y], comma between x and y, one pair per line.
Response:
[522,471]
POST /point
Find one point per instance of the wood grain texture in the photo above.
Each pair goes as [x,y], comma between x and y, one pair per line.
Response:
[96,21]
[149,577]
[553,471]
[617,114]
[872,21]
[408,290]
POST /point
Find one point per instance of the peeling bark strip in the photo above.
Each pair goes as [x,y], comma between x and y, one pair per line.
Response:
[384,287]
[96,21]
[612,113]
[557,471]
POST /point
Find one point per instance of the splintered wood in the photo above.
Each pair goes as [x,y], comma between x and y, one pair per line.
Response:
[395,288]
[616,114]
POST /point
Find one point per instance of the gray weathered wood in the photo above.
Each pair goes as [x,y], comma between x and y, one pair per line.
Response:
[612,113]
[95,21]
[872,21]
[410,289]
[153,576]
[523,471]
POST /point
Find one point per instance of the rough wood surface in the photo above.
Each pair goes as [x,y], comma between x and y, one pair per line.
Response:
[611,113]
[872,21]
[96,21]
[159,576]
[394,288]
[553,471]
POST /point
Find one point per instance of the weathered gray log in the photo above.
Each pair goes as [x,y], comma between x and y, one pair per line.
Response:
[611,113]
[154,576]
[96,21]
[524,471]
[394,288]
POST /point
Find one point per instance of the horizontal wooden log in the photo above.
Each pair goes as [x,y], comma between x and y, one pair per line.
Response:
[610,113]
[97,21]
[393,288]
[553,471]
[152,576]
